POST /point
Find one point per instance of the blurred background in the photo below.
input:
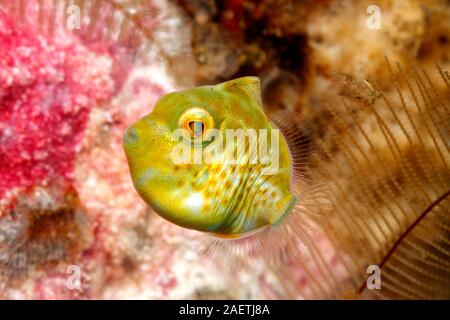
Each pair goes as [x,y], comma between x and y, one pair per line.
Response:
[74,74]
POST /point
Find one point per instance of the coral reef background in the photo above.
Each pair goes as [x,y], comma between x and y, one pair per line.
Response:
[66,97]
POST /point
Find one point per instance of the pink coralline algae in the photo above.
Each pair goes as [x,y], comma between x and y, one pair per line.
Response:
[47,88]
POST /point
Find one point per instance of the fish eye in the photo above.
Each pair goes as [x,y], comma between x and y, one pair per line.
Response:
[196,127]
[196,121]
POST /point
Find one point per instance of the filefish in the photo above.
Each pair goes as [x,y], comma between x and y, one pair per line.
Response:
[210,159]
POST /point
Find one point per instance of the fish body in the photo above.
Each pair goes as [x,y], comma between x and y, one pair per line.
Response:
[187,162]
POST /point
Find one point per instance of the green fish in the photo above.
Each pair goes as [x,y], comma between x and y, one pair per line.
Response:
[209,159]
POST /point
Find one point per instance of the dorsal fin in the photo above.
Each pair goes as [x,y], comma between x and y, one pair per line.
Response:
[249,86]
[298,138]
